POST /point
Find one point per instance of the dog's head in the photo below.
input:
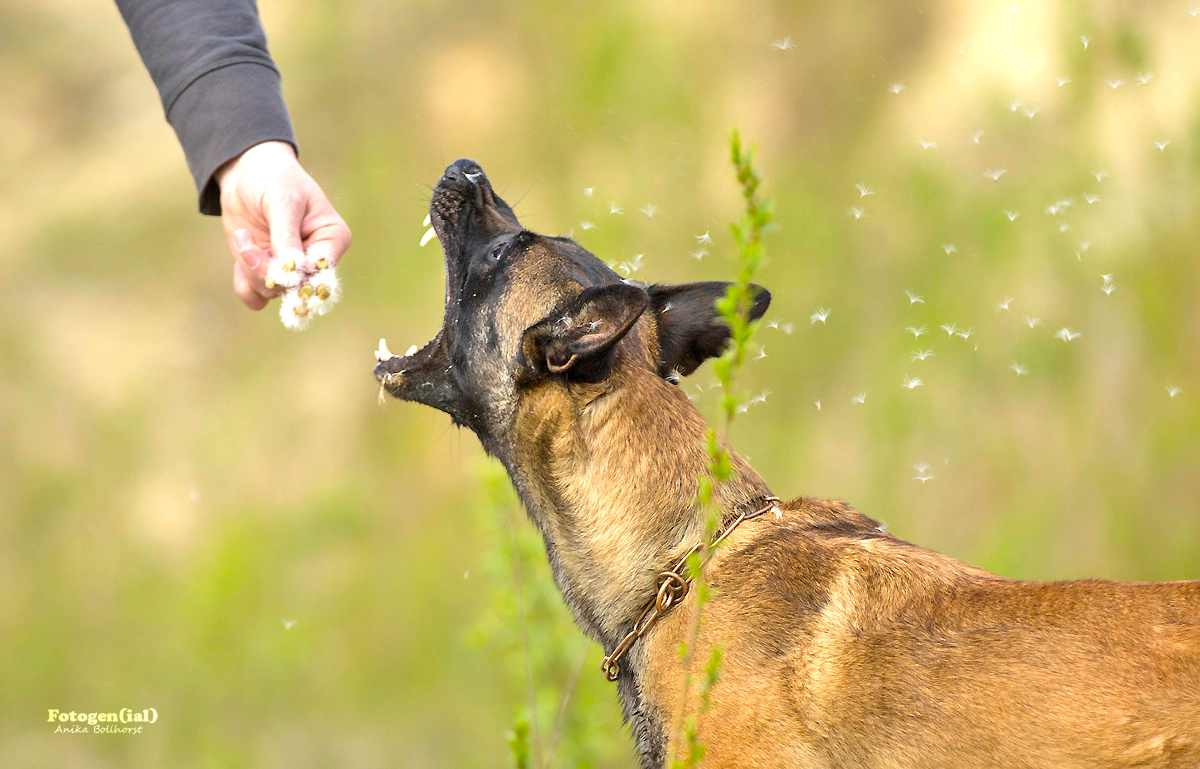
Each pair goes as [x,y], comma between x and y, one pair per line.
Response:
[525,311]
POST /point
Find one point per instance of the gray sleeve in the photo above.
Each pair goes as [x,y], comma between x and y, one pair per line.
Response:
[219,87]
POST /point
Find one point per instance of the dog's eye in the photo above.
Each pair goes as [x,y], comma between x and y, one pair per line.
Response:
[496,252]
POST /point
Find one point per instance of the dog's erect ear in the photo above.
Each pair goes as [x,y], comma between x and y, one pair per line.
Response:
[580,337]
[690,331]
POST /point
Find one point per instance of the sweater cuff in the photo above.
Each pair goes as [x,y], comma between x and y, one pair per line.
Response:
[223,113]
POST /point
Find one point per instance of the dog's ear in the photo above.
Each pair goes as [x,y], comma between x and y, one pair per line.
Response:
[579,337]
[690,330]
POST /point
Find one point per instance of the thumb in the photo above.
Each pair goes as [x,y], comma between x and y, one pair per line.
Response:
[284,216]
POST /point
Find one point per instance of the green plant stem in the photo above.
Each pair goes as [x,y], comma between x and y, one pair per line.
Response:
[735,309]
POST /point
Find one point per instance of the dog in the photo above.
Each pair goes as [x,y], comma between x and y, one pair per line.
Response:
[843,645]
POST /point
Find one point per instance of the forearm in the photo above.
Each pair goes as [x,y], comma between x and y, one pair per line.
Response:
[219,87]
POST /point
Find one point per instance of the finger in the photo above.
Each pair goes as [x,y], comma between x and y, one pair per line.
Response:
[253,260]
[284,216]
[244,288]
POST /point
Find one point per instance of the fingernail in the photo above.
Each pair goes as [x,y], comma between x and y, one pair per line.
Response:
[249,258]
[241,239]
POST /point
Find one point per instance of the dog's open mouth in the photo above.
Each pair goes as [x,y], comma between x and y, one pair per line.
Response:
[463,207]
[391,364]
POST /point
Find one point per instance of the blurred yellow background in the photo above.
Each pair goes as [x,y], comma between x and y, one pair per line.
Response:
[209,515]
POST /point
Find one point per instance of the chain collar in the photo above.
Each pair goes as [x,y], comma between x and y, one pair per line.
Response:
[672,587]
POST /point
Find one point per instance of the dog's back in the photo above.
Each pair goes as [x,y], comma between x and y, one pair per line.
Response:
[850,647]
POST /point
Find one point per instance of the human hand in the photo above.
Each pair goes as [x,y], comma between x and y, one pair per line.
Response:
[269,204]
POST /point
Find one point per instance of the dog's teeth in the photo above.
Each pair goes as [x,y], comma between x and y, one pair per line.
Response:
[411,350]
[428,236]
[383,353]
[427,221]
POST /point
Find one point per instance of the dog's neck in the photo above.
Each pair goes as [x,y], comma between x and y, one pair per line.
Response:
[610,475]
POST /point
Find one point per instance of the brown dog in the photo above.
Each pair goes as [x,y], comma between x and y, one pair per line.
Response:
[844,646]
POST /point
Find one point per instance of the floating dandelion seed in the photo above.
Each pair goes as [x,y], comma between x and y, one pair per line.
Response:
[1064,227]
[1062,80]
[1067,334]
[857,212]
[950,329]
[1160,146]
[817,403]
[1144,78]
[1085,245]
[1090,199]
[896,87]
[786,328]
[1172,390]
[632,266]
[1012,215]
[1085,40]
[975,137]
[965,333]
[820,315]
[1019,369]
[864,190]
[614,208]
[649,210]
[921,355]
[1108,286]
[1004,305]
[911,383]
[922,473]
[1194,12]
[1013,106]
[762,352]
[704,239]
[995,174]
[1100,175]
[914,299]
[927,145]
[288,624]
[586,225]
[1032,322]
[1029,113]
[916,332]
[785,44]
[698,255]
[587,191]
[861,398]
[1114,84]
[949,248]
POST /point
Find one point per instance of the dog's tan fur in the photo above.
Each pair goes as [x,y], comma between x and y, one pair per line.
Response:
[844,646]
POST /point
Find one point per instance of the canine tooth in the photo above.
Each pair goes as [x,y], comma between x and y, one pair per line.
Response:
[428,236]
[383,353]
[428,219]
[411,350]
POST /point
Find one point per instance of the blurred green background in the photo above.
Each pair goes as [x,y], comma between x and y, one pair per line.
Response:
[209,515]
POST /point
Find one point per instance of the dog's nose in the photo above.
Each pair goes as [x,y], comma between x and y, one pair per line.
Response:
[464,170]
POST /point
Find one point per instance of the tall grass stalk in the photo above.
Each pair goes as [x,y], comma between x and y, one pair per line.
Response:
[734,308]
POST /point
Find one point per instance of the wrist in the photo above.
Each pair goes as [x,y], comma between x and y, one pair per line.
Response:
[263,151]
